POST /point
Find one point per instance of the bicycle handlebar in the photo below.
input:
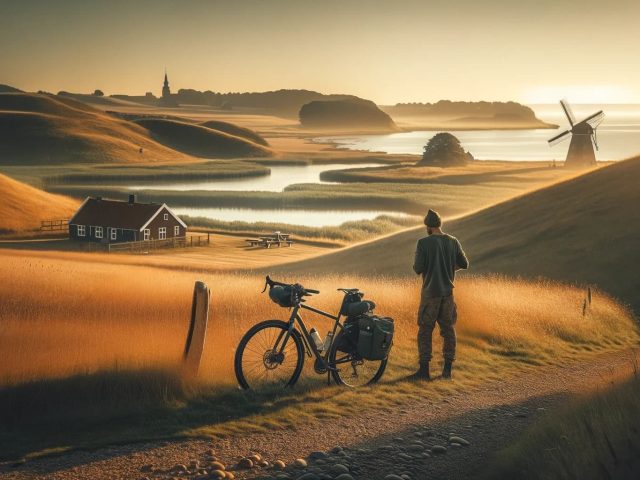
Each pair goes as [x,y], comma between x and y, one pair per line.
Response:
[303,291]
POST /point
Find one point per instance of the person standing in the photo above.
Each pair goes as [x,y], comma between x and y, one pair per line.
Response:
[438,256]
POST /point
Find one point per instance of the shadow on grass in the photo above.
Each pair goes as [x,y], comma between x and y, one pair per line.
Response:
[115,407]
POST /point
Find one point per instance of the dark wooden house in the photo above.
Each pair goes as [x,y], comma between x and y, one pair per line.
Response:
[112,221]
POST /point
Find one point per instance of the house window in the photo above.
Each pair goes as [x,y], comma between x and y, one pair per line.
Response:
[114,234]
[98,232]
[147,234]
[82,230]
[166,216]
[176,231]
[162,233]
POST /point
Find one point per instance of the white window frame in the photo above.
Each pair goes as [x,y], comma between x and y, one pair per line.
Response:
[166,216]
[146,234]
[176,231]
[162,233]
[98,232]
[114,234]
[81,230]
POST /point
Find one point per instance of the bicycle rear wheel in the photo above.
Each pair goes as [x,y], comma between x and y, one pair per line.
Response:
[269,357]
[350,369]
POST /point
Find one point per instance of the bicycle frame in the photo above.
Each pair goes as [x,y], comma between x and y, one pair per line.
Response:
[310,345]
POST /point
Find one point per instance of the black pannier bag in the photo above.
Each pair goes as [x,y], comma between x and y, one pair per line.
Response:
[375,337]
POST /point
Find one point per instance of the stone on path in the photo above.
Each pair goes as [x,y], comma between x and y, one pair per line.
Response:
[459,440]
[279,465]
[308,476]
[438,449]
[344,476]
[217,474]
[217,466]
[318,455]
[393,476]
[245,463]
[300,462]
[339,468]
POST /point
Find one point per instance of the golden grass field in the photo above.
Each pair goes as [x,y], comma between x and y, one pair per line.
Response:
[103,342]
[22,206]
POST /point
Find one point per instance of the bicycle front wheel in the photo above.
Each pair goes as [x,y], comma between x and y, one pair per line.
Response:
[352,370]
[269,357]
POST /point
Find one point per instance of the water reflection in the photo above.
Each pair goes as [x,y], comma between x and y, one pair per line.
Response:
[281,177]
[618,137]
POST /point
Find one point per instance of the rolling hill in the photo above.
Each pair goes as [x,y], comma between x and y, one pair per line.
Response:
[23,206]
[583,230]
[236,131]
[351,114]
[201,141]
[43,129]
[40,129]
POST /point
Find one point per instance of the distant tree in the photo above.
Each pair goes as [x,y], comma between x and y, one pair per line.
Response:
[444,149]
[98,93]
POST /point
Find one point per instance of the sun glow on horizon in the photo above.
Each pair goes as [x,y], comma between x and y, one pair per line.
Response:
[585,94]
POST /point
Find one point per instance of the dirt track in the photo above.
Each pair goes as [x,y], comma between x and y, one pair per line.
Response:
[374,445]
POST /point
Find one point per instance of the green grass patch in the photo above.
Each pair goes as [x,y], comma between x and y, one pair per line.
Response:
[346,232]
[598,437]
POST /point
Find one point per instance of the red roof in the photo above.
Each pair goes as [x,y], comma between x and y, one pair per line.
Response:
[115,213]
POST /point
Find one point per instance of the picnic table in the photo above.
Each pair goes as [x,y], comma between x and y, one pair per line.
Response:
[267,241]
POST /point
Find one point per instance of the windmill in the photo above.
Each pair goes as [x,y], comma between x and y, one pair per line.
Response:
[583,138]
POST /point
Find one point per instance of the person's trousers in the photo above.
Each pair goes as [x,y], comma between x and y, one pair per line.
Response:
[440,310]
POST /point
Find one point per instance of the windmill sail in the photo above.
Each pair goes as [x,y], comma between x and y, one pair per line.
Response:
[595,119]
[568,112]
[559,138]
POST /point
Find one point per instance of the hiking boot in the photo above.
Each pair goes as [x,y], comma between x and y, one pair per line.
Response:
[421,374]
[446,371]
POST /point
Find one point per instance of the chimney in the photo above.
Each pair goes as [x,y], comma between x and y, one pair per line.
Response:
[132,198]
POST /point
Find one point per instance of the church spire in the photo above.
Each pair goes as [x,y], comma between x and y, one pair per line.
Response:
[166,92]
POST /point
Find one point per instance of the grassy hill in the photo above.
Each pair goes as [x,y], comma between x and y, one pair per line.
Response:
[236,131]
[23,206]
[201,141]
[583,230]
[44,129]
[352,114]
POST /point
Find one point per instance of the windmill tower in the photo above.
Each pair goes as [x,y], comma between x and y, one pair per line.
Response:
[583,138]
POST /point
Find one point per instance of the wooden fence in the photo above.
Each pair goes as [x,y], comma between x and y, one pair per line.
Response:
[54,225]
[146,245]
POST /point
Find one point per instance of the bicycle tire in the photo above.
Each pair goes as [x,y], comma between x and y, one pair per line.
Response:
[339,379]
[253,331]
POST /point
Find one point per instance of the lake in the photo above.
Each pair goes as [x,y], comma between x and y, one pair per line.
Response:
[280,178]
[618,137]
[310,218]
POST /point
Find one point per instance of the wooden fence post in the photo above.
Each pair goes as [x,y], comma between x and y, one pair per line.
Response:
[194,346]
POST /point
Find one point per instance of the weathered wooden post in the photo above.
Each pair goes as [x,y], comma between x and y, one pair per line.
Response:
[194,345]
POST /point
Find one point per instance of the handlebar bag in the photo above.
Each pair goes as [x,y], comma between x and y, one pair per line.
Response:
[283,296]
[375,337]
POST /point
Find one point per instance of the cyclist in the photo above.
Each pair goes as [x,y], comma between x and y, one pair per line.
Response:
[438,256]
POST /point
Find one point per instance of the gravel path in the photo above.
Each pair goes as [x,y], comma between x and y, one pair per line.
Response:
[416,442]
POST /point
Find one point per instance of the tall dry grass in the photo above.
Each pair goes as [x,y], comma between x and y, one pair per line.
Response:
[60,317]
[90,351]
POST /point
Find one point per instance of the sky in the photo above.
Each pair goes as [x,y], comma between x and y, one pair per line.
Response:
[387,51]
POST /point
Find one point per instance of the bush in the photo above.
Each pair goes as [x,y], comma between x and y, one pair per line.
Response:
[444,149]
